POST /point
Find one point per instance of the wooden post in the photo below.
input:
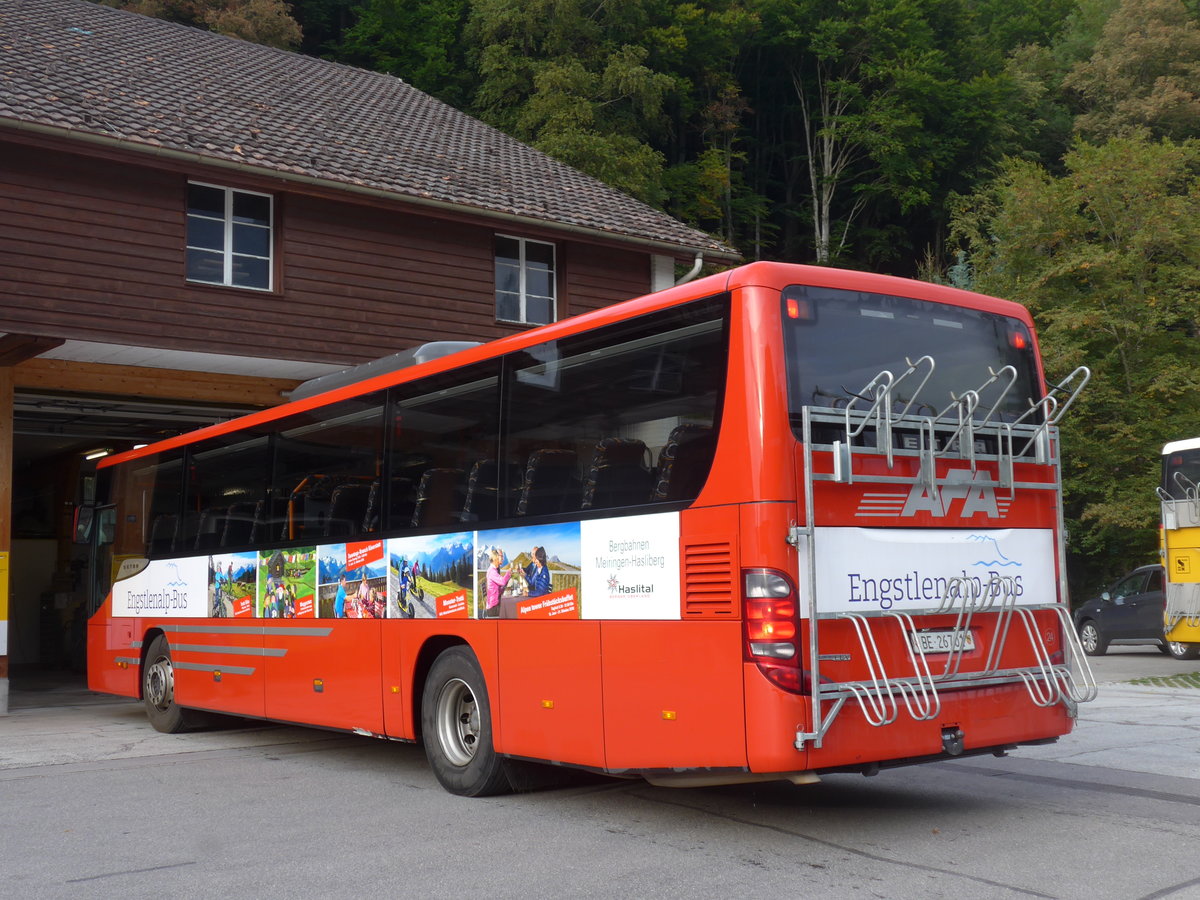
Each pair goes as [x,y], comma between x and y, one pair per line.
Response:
[6,501]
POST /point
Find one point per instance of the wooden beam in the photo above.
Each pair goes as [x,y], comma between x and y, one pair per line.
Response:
[142,381]
[16,348]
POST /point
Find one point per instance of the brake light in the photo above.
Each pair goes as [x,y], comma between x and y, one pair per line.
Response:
[772,627]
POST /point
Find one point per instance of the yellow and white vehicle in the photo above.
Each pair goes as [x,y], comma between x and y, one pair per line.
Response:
[1180,546]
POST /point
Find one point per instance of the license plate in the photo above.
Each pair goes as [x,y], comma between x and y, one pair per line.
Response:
[942,641]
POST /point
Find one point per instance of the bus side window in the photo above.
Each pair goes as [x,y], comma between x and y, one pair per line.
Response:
[156,486]
[444,432]
[226,480]
[316,453]
[588,415]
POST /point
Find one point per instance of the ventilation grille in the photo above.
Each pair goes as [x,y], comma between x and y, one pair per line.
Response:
[708,582]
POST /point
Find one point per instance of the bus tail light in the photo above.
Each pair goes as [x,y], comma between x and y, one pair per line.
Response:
[772,627]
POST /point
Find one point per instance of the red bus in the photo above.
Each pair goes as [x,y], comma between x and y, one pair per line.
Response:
[773,523]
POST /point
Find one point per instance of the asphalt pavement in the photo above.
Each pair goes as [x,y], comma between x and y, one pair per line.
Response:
[1131,726]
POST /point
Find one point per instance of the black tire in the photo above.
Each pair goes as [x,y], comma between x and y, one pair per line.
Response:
[1093,641]
[456,725]
[1181,650]
[158,690]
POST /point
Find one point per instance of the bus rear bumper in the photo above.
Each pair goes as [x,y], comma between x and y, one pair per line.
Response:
[970,721]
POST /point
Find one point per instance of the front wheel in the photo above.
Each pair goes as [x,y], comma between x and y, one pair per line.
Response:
[1181,650]
[1094,644]
[456,724]
[158,690]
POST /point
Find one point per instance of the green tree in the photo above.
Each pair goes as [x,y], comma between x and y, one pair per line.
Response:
[1144,71]
[1107,258]
[895,111]
[570,78]
[266,22]
[419,42]
[710,180]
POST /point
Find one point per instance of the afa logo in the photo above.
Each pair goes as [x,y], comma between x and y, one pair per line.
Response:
[964,494]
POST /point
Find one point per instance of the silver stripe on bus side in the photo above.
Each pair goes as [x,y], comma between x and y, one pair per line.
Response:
[236,651]
[224,670]
[132,660]
[261,630]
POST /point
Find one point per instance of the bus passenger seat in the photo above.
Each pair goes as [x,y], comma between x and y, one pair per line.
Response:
[370,520]
[437,497]
[239,524]
[684,462]
[209,528]
[269,515]
[618,475]
[347,508]
[162,534]
[483,490]
[551,482]
[482,486]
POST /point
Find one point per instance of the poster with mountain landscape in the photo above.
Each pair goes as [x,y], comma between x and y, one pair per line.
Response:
[529,573]
[429,576]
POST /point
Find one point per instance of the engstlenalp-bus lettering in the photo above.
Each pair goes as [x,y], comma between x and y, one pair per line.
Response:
[912,587]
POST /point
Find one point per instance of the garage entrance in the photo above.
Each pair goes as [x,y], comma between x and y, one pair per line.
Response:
[56,437]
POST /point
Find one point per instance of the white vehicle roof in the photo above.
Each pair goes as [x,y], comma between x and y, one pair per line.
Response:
[1176,446]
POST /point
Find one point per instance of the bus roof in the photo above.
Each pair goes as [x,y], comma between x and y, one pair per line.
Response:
[1178,446]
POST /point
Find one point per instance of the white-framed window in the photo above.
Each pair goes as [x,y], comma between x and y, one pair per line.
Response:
[526,291]
[229,237]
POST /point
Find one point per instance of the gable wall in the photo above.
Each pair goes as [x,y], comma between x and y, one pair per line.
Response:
[92,248]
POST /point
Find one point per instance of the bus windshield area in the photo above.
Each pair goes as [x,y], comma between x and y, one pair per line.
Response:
[839,341]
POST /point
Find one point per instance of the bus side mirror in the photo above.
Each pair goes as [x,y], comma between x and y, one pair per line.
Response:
[85,516]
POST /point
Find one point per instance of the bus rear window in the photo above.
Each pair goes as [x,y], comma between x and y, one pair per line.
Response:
[837,341]
[1181,470]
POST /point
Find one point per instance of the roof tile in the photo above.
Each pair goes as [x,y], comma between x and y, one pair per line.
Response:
[92,69]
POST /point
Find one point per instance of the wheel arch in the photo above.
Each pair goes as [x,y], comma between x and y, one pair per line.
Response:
[147,640]
[433,647]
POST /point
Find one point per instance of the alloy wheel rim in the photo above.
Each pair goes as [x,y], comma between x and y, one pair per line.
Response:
[458,722]
[1090,637]
[160,683]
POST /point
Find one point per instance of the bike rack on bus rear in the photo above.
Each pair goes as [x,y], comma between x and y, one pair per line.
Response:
[958,430]
[1183,598]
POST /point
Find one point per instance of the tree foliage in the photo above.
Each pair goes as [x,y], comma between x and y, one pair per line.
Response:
[266,22]
[1144,71]
[1107,258]
[1039,148]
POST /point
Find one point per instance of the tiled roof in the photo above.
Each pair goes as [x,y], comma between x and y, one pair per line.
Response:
[96,71]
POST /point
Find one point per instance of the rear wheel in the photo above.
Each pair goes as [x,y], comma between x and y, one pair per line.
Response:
[456,724]
[1094,643]
[1181,650]
[158,690]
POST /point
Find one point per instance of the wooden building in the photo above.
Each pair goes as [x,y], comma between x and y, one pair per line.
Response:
[192,225]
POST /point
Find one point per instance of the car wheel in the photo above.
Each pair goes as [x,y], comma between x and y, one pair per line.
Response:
[456,725]
[1094,643]
[1180,650]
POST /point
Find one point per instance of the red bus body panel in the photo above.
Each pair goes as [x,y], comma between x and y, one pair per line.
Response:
[629,696]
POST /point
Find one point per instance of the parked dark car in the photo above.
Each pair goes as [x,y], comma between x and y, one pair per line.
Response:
[1129,612]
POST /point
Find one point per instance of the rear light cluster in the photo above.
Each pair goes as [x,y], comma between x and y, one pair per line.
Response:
[772,627]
